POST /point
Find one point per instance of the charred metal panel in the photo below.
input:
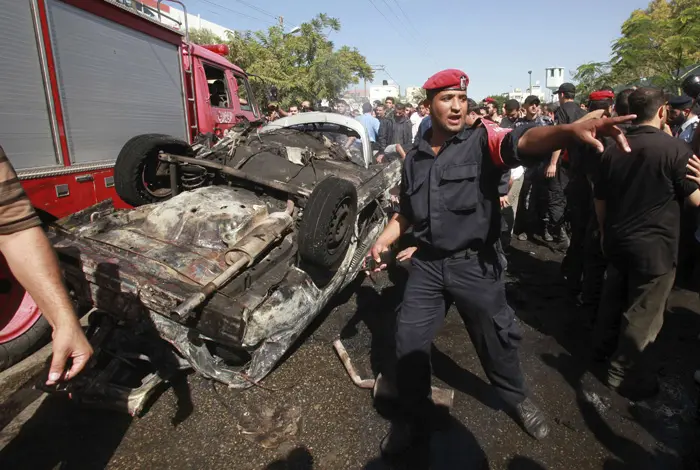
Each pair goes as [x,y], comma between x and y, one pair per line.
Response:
[199,218]
[222,320]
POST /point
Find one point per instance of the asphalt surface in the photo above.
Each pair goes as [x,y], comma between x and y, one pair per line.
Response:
[311,416]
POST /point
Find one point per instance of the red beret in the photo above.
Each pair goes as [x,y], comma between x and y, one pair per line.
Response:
[447,79]
[489,100]
[601,95]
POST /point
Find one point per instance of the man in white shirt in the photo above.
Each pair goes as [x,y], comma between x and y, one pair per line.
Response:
[416,118]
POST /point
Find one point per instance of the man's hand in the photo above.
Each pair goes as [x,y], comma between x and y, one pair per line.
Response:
[376,252]
[406,254]
[69,342]
[32,260]
[597,114]
[667,129]
[694,167]
[504,202]
[380,158]
[551,171]
[588,131]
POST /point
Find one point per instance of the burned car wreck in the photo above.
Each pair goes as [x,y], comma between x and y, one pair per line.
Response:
[233,248]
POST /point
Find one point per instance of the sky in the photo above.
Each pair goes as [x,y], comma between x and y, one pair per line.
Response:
[495,42]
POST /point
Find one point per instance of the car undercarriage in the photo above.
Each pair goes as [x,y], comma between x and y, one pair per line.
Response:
[232,271]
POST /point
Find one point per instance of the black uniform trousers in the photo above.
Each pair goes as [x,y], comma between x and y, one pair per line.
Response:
[556,198]
[630,317]
[594,265]
[474,282]
[579,196]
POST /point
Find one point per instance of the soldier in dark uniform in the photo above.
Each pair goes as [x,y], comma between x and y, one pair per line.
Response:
[449,195]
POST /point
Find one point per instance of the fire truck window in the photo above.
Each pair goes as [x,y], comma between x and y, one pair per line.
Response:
[243,94]
[218,91]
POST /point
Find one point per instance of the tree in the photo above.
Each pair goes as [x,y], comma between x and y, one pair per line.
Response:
[499,99]
[303,66]
[419,96]
[656,48]
[590,77]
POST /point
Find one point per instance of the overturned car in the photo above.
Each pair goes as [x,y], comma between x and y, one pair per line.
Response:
[234,246]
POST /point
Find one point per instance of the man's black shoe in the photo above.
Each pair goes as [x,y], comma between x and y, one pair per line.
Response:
[401,438]
[532,419]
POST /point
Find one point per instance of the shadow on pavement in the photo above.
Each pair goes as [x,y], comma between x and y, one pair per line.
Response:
[523,463]
[540,299]
[463,380]
[66,435]
[298,459]
[630,454]
[452,447]
[63,435]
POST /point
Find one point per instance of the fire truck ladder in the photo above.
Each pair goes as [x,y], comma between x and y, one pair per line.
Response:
[189,69]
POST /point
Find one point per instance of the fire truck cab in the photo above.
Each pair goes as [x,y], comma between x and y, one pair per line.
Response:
[80,80]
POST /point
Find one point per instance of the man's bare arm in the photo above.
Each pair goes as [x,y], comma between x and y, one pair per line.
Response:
[546,139]
[394,229]
[33,262]
[552,168]
[31,259]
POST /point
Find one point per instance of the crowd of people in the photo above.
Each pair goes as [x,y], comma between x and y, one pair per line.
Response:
[571,198]
[611,180]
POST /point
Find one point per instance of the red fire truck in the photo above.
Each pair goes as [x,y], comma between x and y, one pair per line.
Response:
[80,79]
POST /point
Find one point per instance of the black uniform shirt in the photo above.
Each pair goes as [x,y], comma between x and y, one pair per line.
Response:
[452,200]
[566,114]
[644,192]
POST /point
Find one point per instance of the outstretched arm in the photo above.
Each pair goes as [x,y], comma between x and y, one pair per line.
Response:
[545,140]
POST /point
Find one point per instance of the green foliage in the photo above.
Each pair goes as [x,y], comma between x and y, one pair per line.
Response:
[590,77]
[303,66]
[500,100]
[418,96]
[656,46]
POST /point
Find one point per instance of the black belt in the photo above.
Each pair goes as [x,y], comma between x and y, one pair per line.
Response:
[429,252]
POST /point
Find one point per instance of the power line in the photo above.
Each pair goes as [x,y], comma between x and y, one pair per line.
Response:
[400,31]
[264,12]
[415,30]
[236,12]
[406,16]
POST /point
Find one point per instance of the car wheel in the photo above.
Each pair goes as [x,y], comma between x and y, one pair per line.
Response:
[22,327]
[139,177]
[328,222]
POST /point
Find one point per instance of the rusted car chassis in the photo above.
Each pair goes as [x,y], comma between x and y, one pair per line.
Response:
[225,273]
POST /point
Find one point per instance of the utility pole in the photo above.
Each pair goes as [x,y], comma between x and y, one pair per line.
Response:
[281,20]
[530,73]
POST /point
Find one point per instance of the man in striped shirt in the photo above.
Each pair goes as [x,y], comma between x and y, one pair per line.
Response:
[33,262]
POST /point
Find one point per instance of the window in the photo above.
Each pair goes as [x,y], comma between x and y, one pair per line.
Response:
[218,89]
[551,73]
[244,94]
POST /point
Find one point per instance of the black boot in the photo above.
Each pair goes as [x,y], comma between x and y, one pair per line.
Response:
[532,419]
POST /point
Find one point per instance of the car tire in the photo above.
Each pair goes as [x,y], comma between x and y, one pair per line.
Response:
[328,222]
[135,176]
[23,329]
[23,346]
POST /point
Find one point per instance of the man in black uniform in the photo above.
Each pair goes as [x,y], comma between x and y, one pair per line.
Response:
[449,195]
[577,192]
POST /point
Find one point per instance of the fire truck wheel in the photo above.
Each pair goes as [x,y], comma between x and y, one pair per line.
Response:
[328,222]
[23,329]
[139,177]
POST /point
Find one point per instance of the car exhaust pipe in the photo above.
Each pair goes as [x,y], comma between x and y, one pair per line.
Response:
[241,255]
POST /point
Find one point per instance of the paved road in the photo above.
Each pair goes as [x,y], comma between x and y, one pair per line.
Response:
[311,416]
